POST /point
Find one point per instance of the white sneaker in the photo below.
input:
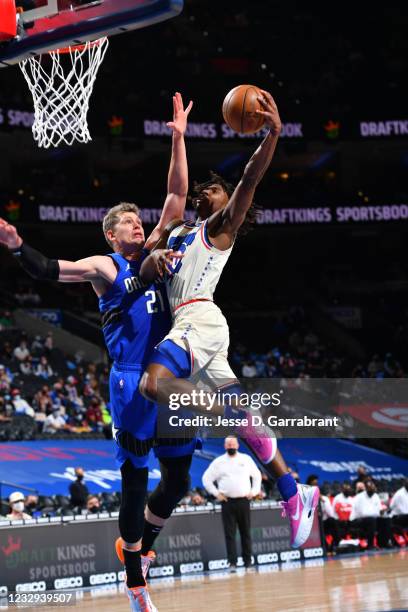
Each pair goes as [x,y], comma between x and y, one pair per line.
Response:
[300,511]
[139,599]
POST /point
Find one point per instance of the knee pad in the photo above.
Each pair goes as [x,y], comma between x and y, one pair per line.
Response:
[131,514]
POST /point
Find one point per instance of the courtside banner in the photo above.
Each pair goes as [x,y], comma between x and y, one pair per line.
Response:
[49,465]
[80,553]
[17,211]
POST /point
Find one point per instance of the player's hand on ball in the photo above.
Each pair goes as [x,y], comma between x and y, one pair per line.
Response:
[179,123]
[164,260]
[270,112]
[9,235]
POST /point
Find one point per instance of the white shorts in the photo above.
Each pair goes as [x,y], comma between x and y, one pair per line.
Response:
[201,328]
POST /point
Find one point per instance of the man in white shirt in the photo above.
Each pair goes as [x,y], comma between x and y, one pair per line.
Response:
[366,516]
[21,406]
[54,422]
[238,481]
[399,507]
[21,351]
[16,501]
[342,507]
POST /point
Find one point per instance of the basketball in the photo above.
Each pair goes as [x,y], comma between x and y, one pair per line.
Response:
[239,109]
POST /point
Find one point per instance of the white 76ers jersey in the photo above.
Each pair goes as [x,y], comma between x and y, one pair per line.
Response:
[197,274]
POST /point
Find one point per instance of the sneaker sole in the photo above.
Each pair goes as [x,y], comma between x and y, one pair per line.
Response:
[306,522]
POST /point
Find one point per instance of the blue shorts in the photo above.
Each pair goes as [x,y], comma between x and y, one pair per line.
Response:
[134,420]
[172,357]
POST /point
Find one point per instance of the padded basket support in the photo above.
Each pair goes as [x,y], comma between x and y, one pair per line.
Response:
[8,20]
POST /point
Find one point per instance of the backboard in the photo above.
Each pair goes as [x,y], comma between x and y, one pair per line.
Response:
[45,25]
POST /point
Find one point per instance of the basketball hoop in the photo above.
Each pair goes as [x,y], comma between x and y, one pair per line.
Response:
[61,90]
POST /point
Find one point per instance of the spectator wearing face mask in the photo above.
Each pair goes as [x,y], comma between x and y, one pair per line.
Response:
[92,505]
[16,501]
[78,490]
[21,406]
[54,422]
[26,366]
[21,351]
[238,480]
[43,369]
[366,517]
[342,507]
[31,505]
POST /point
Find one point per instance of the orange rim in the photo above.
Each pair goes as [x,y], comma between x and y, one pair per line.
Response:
[93,43]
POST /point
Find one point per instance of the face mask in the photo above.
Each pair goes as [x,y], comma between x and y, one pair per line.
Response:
[31,506]
[80,477]
[17,397]
[232,451]
[370,493]
[94,509]
[18,506]
[346,493]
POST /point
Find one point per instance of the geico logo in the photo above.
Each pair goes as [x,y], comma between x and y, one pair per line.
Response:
[31,586]
[312,552]
[166,570]
[290,555]
[269,558]
[102,578]
[103,590]
[218,564]
[186,568]
[3,591]
[121,576]
[68,583]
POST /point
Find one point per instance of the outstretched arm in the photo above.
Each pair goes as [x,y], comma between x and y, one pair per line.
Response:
[161,259]
[98,268]
[223,226]
[177,184]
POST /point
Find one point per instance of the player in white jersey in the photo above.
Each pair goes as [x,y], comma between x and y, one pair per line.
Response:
[198,323]
[197,344]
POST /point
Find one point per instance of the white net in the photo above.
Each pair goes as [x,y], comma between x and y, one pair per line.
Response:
[61,83]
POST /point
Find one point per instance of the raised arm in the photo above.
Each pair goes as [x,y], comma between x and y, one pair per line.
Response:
[223,226]
[177,183]
[93,269]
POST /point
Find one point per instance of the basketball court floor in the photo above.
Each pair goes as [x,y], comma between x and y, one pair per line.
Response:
[368,583]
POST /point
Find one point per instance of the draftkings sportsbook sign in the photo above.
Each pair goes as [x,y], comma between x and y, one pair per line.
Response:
[78,554]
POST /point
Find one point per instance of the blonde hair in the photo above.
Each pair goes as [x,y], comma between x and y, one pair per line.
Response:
[113,217]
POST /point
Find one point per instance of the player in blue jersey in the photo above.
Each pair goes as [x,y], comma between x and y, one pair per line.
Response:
[135,317]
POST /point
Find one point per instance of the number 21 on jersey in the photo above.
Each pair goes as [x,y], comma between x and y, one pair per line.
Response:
[155,302]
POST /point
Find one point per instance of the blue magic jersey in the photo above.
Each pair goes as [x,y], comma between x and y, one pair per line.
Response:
[135,317]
